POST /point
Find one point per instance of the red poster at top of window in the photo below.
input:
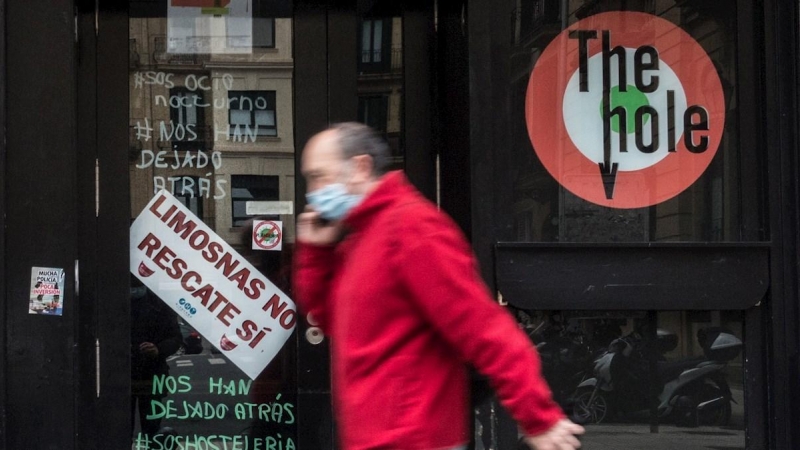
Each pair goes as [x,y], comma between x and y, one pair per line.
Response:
[200,3]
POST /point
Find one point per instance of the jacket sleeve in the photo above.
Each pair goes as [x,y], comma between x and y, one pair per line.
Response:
[313,272]
[440,272]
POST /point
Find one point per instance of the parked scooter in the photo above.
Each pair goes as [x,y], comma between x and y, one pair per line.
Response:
[690,392]
[567,353]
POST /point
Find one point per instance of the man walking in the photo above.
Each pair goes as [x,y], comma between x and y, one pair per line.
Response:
[394,283]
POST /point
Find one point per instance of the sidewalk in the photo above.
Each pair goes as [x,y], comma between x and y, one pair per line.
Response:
[669,437]
[637,436]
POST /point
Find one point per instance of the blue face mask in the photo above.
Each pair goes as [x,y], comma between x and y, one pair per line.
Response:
[333,202]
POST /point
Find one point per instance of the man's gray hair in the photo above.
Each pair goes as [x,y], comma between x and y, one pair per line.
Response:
[357,139]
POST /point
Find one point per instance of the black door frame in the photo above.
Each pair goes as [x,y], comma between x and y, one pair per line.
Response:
[43,359]
[325,90]
[780,58]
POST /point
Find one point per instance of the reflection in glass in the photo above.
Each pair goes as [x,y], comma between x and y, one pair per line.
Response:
[380,73]
[679,373]
[711,209]
[216,131]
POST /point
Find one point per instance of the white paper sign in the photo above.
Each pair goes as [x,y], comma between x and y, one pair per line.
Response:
[210,26]
[258,208]
[215,290]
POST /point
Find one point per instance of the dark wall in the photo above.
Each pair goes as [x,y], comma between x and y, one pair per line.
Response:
[41,192]
[780,57]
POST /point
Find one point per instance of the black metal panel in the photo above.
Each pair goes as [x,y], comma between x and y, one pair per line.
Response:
[756,320]
[452,74]
[755,378]
[113,292]
[342,62]
[482,162]
[3,307]
[85,412]
[315,423]
[642,277]
[40,184]
[418,42]
[311,116]
[780,59]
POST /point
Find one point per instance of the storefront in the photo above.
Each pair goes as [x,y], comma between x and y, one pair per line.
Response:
[627,172]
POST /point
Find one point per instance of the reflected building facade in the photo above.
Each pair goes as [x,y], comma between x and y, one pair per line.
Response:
[216,130]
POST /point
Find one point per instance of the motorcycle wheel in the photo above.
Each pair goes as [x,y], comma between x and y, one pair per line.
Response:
[717,417]
[588,410]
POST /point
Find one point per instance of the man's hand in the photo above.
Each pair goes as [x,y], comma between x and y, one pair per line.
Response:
[560,436]
[311,229]
[149,350]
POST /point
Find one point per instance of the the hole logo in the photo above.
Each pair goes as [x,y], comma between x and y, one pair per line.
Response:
[625,109]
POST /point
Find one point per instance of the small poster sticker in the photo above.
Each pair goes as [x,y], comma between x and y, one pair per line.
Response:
[267,235]
[47,291]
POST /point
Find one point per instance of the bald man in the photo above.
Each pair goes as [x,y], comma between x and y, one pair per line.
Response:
[395,285]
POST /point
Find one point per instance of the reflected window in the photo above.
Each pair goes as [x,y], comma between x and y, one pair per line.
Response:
[187,119]
[246,188]
[187,191]
[263,32]
[372,111]
[375,44]
[252,113]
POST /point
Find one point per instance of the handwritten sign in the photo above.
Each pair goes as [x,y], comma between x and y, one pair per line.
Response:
[226,401]
[216,290]
[158,140]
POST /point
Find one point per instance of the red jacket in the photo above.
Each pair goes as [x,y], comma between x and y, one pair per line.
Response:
[404,305]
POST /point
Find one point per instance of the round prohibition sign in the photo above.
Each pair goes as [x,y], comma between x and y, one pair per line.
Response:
[635,159]
[267,235]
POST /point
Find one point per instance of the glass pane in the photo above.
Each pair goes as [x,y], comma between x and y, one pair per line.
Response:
[636,379]
[377,40]
[191,112]
[265,118]
[239,117]
[380,73]
[212,342]
[708,200]
[366,41]
[263,32]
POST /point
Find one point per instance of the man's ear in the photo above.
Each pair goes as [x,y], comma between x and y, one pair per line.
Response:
[365,165]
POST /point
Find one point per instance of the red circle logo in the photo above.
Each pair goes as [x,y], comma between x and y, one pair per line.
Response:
[625,109]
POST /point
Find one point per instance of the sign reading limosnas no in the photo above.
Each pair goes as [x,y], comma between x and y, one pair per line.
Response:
[206,281]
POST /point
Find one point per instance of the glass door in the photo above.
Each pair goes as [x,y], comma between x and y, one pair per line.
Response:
[212,199]
[222,98]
